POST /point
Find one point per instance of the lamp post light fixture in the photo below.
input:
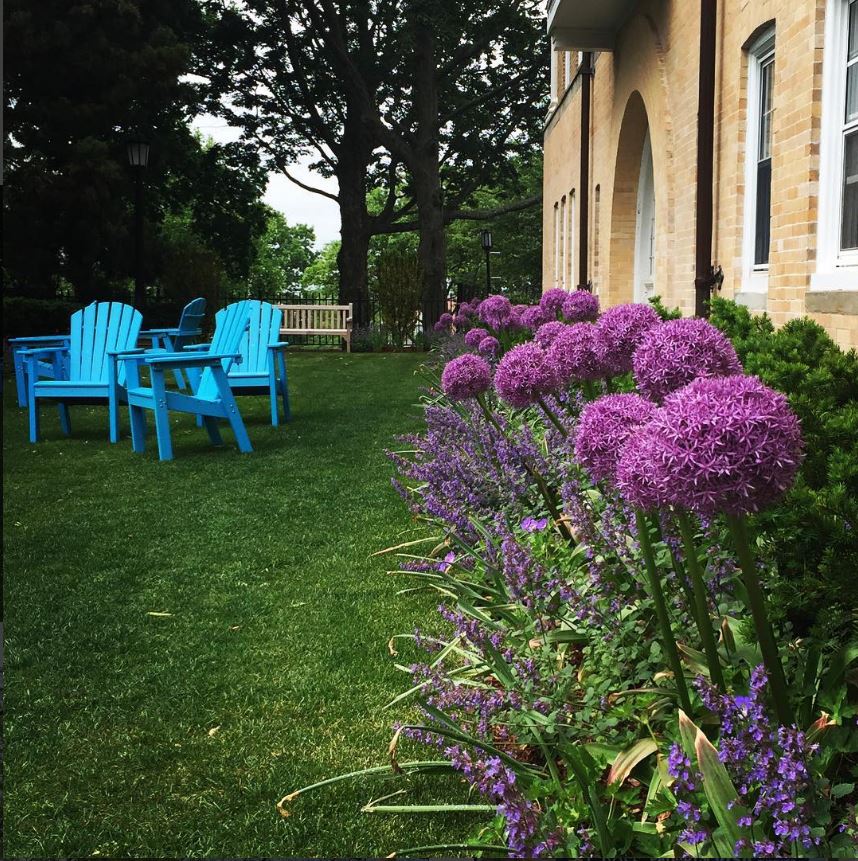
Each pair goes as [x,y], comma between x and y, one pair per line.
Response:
[486,242]
[138,158]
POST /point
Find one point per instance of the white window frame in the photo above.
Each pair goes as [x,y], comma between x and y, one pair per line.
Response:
[570,216]
[836,269]
[563,242]
[556,244]
[567,65]
[755,277]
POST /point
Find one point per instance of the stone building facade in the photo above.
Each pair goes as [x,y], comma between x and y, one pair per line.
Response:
[785,171]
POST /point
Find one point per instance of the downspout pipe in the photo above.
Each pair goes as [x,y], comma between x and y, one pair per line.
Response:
[586,72]
[704,275]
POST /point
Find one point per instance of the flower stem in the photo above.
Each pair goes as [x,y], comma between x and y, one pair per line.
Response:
[554,420]
[704,624]
[777,680]
[663,619]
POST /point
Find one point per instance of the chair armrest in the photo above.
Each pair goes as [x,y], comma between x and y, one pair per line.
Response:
[278,345]
[133,351]
[43,351]
[40,340]
[196,347]
[188,360]
[147,333]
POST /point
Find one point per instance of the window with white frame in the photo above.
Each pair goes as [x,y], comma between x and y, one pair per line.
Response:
[570,243]
[758,161]
[563,242]
[556,244]
[838,193]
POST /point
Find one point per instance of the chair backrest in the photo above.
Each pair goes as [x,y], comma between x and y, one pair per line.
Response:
[190,321]
[264,329]
[100,327]
[231,324]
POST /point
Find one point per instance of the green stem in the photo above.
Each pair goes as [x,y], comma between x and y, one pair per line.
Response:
[777,680]
[554,420]
[667,638]
[677,567]
[589,388]
[704,624]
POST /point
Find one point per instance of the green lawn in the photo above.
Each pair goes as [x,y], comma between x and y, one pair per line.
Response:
[134,734]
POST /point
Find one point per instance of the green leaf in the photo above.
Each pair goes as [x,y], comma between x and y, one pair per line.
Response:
[628,759]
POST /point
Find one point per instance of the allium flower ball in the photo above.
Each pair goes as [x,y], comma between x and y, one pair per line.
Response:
[552,302]
[621,330]
[673,354]
[516,315]
[547,332]
[580,306]
[489,347]
[496,311]
[639,475]
[726,444]
[444,322]
[524,375]
[474,336]
[574,353]
[533,317]
[605,427]
[466,377]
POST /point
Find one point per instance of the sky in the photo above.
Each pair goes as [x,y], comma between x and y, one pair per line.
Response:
[299,206]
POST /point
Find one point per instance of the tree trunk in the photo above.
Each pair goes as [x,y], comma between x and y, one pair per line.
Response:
[426,171]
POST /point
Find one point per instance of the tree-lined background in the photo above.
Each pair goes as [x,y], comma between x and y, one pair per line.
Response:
[427,113]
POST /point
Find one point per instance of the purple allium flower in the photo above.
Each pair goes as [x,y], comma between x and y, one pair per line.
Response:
[495,311]
[726,444]
[620,331]
[547,332]
[474,336]
[581,306]
[444,322]
[552,302]
[604,428]
[674,353]
[489,346]
[574,353]
[524,375]
[533,317]
[465,377]
[515,316]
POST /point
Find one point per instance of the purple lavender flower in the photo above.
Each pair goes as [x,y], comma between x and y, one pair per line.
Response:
[533,317]
[619,332]
[580,306]
[474,336]
[604,428]
[533,524]
[444,322]
[495,311]
[552,302]
[726,444]
[674,353]
[574,353]
[547,332]
[466,377]
[523,375]
[489,347]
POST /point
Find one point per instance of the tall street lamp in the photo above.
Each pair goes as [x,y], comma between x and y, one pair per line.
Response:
[138,158]
[486,242]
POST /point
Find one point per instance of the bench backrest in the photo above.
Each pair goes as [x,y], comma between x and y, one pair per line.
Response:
[100,327]
[303,318]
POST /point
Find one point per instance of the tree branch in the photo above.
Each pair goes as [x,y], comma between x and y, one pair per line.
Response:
[485,214]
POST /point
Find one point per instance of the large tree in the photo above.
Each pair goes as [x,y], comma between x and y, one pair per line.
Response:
[427,100]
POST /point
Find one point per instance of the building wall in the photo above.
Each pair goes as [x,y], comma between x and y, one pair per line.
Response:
[651,79]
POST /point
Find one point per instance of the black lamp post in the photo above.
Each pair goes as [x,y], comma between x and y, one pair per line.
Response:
[486,242]
[138,158]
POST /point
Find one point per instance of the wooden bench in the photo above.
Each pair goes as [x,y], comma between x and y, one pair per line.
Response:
[318,320]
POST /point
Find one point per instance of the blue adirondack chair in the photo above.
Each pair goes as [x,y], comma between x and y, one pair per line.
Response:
[176,339]
[46,367]
[212,398]
[263,359]
[95,331]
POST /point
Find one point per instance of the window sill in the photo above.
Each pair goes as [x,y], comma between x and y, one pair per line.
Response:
[755,300]
[845,279]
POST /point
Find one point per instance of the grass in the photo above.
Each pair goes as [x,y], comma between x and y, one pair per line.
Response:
[135,734]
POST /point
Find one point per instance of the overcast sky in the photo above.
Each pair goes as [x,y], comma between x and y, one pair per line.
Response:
[299,206]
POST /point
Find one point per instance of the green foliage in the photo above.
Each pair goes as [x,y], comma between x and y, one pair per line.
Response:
[397,291]
[813,533]
[664,312]
[23,316]
[283,253]
[322,276]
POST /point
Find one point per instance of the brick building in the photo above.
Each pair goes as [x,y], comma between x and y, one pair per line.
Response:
[784,163]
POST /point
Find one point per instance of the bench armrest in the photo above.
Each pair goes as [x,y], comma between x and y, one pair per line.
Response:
[188,360]
[278,345]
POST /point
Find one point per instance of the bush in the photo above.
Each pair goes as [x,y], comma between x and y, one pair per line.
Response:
[397,291]
[813,534]
[25,317]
